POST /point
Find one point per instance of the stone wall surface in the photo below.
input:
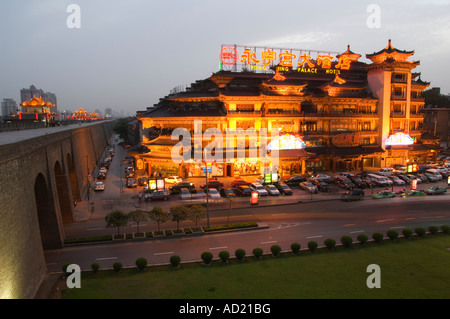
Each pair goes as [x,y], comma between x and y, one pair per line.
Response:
[40,178]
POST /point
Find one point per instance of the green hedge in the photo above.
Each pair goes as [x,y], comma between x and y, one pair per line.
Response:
[87,239]
[230,226]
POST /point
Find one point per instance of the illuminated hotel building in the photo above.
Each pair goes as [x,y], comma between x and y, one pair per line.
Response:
[344,111]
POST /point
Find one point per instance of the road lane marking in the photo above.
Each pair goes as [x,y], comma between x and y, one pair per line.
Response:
[223,247]
[106,258]
[397,227]
[357,231]
[384,220]
[346,225]
[268,242]
[410,218]
[94,228]
[164,253]
[318,236]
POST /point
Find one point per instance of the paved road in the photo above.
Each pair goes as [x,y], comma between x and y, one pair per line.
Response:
[293,223]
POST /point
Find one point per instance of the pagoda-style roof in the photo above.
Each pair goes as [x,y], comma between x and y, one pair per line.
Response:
[390,53]
[81,111]
[37,102]
[349,55]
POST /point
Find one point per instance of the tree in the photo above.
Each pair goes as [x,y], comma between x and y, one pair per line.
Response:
[158,215]
[196,213]
[179,214]
[116,218]
[137,216]
[121,128]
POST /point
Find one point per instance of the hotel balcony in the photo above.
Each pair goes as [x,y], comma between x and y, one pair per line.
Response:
[244,113]
[281,112]
[398,114]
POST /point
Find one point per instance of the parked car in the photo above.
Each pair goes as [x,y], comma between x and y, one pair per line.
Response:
[173,179]
[284,189]
[185,194]
[435,172]
[322,177]
[213,193]
[177,187]
[435,190]
[345,182]
[243,190]
[346,174]
[99,186]
[239,182]
[413,193]
[157,195]
[321,185]
[404,178]
[101,175]
[422,177]
[387,171]
[198,194]
[359,183]
[103,170]
[309,187]
[432,177]
[227,192]
[272,190]
[295,180]
[397,181]
[131,183]
[142,181]
[259,188]
[352,195]
[383,194]
[411,177]
[212,184]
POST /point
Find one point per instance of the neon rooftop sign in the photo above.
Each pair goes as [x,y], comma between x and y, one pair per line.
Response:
[399,139]
[262,58]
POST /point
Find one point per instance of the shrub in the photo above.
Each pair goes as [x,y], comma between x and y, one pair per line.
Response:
[141,263]
[420,231]
[407,233]
[312,245]
[330,243]
[275,249]
[258,252]
[445,229]
[295,247]
[175,261]
[433,230]
[95,267]
[224,256]
[377,237]
[392,234]
[362,238]
[207,257]
[239,253]
[117,266]
[347,241]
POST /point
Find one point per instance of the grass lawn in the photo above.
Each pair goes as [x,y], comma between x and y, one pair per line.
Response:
[414,268]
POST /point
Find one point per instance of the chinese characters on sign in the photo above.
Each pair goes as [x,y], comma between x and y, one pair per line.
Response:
[261,59]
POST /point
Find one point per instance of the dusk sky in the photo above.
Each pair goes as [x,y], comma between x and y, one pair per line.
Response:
[128,54]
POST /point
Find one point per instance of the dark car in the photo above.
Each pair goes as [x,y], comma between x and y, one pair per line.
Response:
[239,182]
[101,175]
[321,185]
[345,182]
[359,183]
[243,191]
[295,180]
[131,183]
[213,184]
[177,187]
[142,181]
[227,192]
[352,195]
[157,195]
[283,188]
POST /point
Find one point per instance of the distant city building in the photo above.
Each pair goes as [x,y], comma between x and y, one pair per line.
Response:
[9,107]
[29,94]
[108,112]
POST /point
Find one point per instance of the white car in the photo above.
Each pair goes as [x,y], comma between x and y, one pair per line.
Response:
[99,186]
[322,177]
[272,190]
[173,179]
[397,181]
[259,188]
[442,169]
[213,193]
[185,193]
[346,174]
[103,170]
[308,186]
